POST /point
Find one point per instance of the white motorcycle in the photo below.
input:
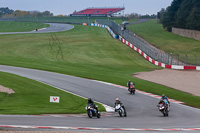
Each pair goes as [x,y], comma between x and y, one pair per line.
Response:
[120,110]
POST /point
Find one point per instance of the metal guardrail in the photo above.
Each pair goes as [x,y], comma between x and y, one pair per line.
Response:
[151,51]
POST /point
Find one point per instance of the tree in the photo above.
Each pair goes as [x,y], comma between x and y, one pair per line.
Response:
[181,14]
[169,18]
[1,14]
[161,14]
[133,16]
[5,11]
[60,15]
[19,13]
[193,20]
[47,13]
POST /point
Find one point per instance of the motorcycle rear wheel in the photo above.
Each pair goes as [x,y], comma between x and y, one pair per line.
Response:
[98,115]
[125,114]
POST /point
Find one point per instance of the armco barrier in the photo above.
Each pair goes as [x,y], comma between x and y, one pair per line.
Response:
[105,26]
[179,67]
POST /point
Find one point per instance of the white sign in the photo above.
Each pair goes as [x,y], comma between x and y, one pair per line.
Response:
[54,99]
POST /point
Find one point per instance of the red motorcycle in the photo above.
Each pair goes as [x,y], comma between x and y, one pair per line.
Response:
[132,89]
[163,108]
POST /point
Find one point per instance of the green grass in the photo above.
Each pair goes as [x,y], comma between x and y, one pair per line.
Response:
[84,48]
[84,51]
[33,97]
[154,33]
[10,26]
[118,20]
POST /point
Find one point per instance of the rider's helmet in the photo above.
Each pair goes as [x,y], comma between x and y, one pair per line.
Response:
[89,100]
[163,95]
[117,99]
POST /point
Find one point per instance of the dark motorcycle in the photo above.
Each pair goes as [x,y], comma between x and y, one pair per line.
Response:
[163,108]
[120,110]
[92,112]
[132,89]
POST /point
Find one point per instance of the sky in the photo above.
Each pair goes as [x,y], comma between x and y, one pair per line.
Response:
[66,7]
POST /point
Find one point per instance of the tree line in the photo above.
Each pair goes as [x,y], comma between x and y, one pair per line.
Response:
[5,12]
[183,14]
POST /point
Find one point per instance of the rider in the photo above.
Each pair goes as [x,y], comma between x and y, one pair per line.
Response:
[117,101]
[91,103]
[129,84]
[163,98]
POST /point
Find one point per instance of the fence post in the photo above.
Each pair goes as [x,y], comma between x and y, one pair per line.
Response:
[171,58]
[88,20]
[195,60]
[178,59]
[168,58]
[156,56]
[186,59]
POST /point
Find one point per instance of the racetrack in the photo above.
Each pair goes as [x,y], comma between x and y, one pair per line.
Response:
[142,110]
[54,27]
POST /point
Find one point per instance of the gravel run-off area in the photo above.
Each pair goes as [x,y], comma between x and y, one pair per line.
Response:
[183,80]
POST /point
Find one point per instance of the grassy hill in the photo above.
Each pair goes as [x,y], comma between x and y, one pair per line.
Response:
[154,33]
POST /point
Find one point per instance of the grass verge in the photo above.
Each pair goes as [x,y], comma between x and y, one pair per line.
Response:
[33,97]
[10,26]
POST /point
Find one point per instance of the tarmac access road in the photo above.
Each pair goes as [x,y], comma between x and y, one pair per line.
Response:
[142,111]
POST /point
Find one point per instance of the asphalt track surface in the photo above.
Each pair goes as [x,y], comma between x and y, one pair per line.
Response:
[54,27]
[141,109]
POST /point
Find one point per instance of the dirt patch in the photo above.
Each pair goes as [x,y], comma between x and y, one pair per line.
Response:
[6,90]
[187,81]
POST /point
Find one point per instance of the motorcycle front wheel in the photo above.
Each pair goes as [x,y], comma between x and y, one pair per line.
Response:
[89,112]
[120,113]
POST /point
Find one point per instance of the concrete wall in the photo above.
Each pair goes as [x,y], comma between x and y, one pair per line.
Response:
[187,33]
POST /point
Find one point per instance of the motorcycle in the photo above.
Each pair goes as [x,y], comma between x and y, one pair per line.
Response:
[163,108]
[92,112]
[132,89]
[120,110]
